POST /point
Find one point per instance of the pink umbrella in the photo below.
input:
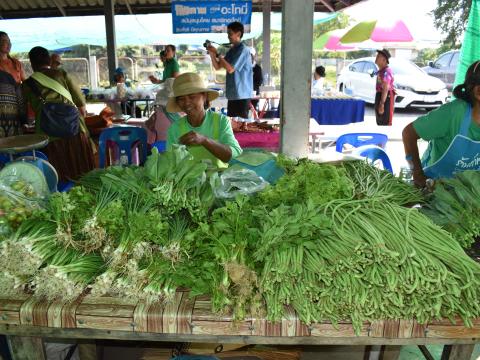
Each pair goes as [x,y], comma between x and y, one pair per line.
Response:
[378,31]
[331,41]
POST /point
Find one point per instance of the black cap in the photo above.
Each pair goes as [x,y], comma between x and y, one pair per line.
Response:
[385,53]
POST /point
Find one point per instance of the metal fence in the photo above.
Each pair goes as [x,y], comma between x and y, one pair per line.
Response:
[94,73]
[77,68]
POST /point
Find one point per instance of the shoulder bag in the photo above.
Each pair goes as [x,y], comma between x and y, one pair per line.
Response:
[56,119]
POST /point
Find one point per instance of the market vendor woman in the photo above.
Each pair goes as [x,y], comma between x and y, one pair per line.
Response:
[208,135]
[453,132]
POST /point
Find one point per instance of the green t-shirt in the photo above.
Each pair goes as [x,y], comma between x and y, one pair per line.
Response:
[171,67]
[226,136]
[440,126]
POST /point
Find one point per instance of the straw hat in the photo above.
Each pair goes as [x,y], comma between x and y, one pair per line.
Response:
[186,84]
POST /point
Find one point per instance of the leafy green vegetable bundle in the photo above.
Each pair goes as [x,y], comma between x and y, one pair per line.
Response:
[455,206]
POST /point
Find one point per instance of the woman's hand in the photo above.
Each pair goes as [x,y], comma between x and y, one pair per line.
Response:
[193,138]
[381,108]
[419,179]
[83,111]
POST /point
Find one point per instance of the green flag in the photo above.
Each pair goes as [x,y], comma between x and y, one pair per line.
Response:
[470,51]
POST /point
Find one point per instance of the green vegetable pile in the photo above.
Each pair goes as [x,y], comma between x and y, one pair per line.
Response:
[334,242]
[455,206]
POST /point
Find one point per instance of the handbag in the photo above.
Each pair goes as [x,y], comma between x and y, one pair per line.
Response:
[56,119]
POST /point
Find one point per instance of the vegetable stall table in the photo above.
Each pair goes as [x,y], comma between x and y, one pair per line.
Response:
[135,103]
[266,104]
[26,320]
[337,110]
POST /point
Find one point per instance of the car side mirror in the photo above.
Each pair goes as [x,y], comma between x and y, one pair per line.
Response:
[371,72]
[430,63]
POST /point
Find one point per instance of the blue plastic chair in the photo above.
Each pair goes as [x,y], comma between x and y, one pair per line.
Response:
[123,139]
[374,153]
[161,145]
[360,139]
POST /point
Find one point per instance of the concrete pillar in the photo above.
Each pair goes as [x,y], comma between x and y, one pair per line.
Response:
[266,64]
[297,39]
[109,6]
[92,65]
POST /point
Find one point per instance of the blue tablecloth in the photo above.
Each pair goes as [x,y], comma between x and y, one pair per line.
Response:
[337,111]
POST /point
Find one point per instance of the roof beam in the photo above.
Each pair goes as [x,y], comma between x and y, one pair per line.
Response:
[32,9]
[328,5]
[129,7]
[60,7]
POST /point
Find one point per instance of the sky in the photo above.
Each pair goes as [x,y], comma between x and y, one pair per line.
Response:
[156,28]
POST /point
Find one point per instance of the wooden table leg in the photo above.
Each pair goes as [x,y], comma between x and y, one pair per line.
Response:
[390,352]
[26,348]
[457,352]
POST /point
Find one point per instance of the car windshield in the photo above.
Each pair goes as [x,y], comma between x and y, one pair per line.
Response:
[404,67]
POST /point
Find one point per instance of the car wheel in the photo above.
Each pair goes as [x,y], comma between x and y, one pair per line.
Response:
[340,88]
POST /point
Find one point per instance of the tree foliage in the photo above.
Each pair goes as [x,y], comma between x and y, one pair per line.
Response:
[275,50]
[451,18]
[340,22]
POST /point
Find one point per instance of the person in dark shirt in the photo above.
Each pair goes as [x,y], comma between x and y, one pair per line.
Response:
[257,76]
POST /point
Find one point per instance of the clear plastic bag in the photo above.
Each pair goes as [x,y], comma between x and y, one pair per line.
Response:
[21,193]
[238,181]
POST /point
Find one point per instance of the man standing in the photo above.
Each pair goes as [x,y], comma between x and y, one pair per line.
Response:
[385,96]
[238,64]
[171,69]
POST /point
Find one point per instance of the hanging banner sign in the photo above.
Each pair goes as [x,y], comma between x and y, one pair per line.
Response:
[209,16]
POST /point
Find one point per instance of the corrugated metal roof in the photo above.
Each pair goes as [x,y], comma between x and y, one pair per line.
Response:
[17,9]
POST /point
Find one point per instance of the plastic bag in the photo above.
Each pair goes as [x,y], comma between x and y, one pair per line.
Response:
[238,181]
[28,173]
[263,163]
[21,193]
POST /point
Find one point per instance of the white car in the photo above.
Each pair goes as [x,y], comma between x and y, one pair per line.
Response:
[414,87]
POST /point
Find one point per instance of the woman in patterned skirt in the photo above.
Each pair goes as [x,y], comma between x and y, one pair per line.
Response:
[12,107]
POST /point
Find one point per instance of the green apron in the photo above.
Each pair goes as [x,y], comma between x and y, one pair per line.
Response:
[199,152]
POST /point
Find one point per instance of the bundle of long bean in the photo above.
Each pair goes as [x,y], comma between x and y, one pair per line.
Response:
[370,181]
[376,261]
